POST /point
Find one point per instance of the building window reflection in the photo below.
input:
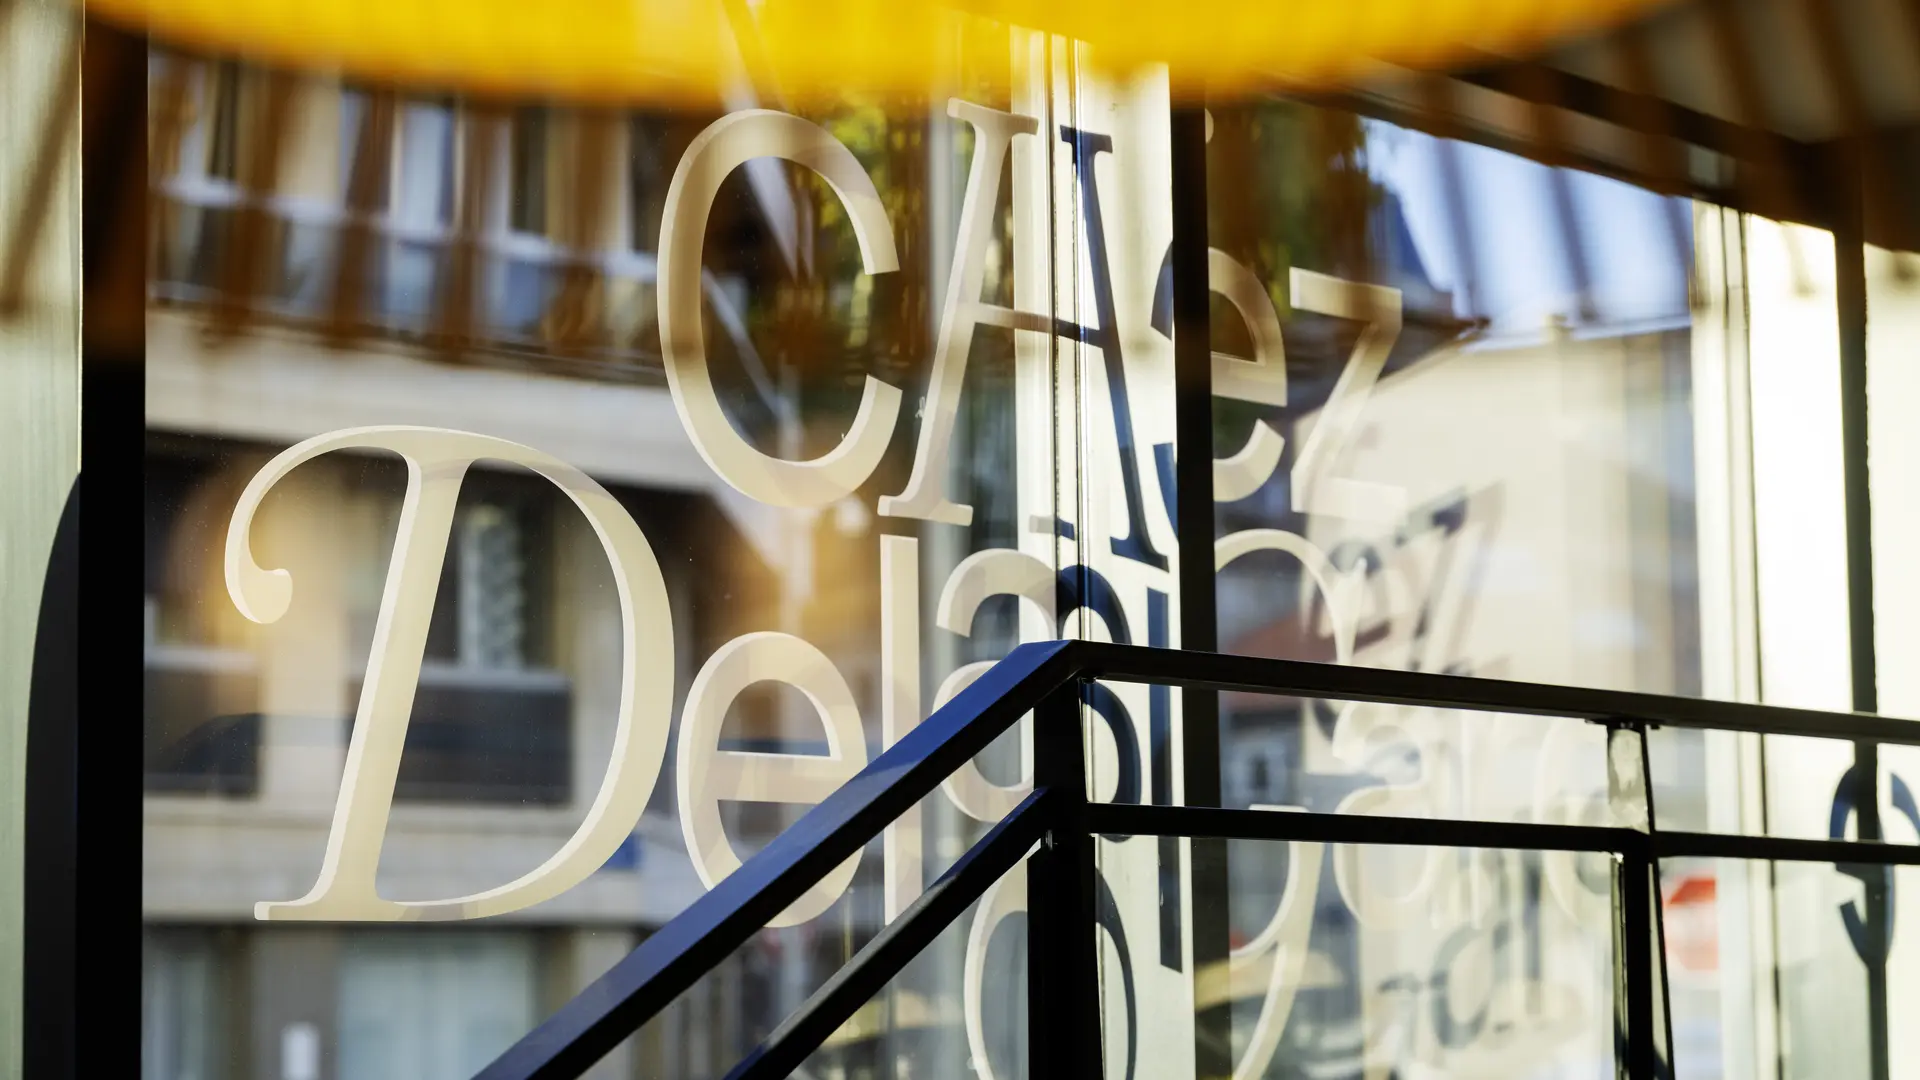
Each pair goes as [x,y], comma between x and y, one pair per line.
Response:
[201,698]
[1538,419]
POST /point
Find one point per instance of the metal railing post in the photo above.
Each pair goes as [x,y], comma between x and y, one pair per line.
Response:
[1643,1037]
[1063,974]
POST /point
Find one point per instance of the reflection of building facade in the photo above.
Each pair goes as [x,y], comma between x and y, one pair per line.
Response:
[1525,511]
[1554,513]
[247,730]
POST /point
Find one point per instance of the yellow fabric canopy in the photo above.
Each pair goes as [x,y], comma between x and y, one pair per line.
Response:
[639,50]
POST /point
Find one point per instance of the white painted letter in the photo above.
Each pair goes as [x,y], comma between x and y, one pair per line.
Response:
[925,495]
[900,707]
[1261,380]
[994,572]
[1314,490]
[724,146]
[708,775]
[1279,952]
[437,461]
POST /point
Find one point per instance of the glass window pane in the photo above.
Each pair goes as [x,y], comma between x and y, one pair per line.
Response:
[1505,967]
[554,519]
[685,504]
[1765,967]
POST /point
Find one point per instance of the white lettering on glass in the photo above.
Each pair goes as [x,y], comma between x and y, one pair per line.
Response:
[1280,952]
[708,775]
[1342,592]
[1314,490]
[725,145]
[1004,898]
[437,461]
[996,572]
[925,494]
[900,707]
[1270,968]
[1261,380]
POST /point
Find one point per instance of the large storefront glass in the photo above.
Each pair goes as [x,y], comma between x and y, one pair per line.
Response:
[589,492]
[1453,434]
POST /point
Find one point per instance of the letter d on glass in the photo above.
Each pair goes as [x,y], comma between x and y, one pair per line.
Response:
[437,461]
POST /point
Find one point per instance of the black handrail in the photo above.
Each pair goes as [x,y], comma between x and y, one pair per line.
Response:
[712,927]
[1048,677]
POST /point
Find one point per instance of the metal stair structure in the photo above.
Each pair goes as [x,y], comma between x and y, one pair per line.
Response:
[1053,829]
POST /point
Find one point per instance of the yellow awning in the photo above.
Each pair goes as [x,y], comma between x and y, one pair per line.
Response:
[643,50]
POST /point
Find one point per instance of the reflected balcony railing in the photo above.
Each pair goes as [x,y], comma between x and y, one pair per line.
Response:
[407,277]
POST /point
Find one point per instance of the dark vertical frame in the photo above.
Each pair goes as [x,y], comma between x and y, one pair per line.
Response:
[48,987]
[1194,526]
[49,949]
[83,790]
[1850,301]
[107,785]
[1636,1055]
[1643,1026]
[83,748]
[1064,1017]
[1660,1020]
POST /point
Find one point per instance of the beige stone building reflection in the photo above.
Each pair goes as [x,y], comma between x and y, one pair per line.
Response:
[1569,525]
[247,726]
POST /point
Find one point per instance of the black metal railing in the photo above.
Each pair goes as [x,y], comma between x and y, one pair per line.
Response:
[1050,679]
